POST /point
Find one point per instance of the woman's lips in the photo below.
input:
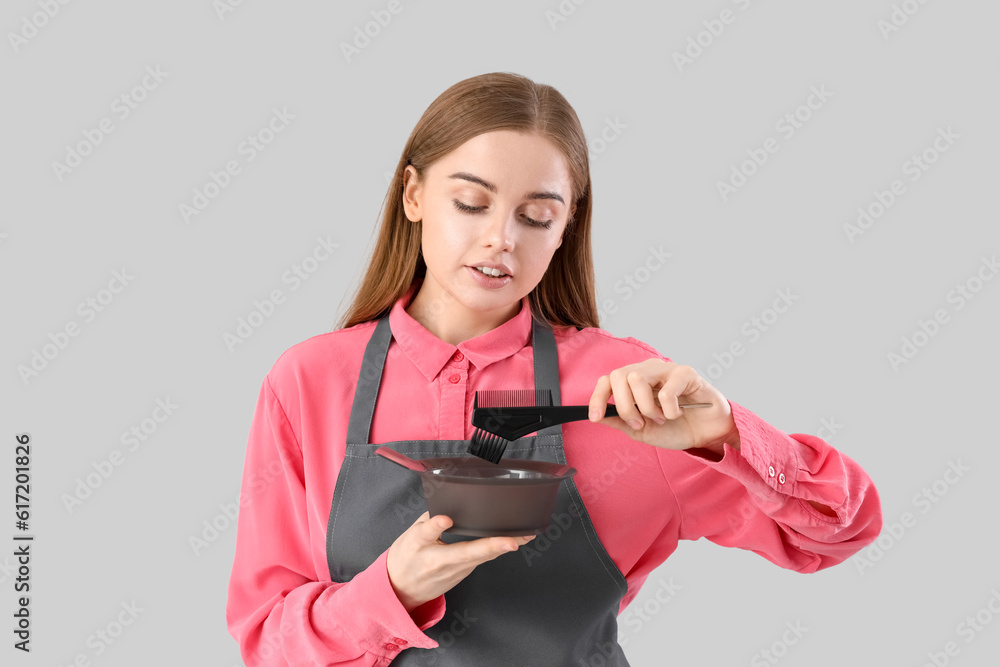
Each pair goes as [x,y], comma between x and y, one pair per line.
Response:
[489,282]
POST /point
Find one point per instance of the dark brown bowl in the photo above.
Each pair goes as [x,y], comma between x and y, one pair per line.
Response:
[515,497]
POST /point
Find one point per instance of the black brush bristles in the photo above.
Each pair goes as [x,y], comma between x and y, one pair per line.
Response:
[489,446]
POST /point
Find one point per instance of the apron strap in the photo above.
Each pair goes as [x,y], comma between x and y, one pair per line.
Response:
[546,356]
[546,370]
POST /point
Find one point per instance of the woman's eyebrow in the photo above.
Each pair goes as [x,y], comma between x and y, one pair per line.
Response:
[492,188]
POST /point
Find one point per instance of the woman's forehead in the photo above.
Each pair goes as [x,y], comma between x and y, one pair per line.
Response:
[506,163]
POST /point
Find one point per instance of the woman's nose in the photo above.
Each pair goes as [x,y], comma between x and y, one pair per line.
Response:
[501,230]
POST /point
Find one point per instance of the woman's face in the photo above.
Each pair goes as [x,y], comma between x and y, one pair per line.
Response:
[518,189]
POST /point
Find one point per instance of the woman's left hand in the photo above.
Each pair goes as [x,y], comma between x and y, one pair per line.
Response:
[657,387]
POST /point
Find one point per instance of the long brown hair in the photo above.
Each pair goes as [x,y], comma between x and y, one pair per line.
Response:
[565,296]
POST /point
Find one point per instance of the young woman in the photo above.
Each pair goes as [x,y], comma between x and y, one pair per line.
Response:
[482,278]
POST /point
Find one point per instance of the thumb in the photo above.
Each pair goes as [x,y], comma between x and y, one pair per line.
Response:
[434,526]
[617,423]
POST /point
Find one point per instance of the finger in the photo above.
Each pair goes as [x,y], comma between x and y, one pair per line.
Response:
[519,541]
[423,518]
[502,545]
[483,549]
[599,399]
[430,530]
[683,380]
[624,400]
[643,393]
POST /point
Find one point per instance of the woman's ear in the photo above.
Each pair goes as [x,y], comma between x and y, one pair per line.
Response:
[411,194]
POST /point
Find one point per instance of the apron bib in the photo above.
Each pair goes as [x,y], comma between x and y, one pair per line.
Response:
[553,602]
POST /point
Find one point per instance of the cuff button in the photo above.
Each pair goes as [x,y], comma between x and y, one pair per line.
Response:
[781,478]
[770,470]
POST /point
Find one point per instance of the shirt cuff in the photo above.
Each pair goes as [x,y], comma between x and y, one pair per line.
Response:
[387,628]
[766,454]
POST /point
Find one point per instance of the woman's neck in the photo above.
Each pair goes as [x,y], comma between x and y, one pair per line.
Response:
[454,323]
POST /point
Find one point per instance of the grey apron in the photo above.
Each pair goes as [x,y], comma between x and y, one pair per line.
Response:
[552,602]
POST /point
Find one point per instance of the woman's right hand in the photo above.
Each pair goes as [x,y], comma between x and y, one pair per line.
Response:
[422,566]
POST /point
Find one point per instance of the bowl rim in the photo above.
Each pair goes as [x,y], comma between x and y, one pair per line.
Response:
[558,471]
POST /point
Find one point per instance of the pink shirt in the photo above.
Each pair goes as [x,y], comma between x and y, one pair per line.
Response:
[284,610]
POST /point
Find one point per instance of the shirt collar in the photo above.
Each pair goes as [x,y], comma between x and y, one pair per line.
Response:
[429,353]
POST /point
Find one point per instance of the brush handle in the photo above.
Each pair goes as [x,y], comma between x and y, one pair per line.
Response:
[513,422]
[402,459]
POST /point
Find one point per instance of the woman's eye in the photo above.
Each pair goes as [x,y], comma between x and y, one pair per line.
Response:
[465,207]
[536,223]
[475,209]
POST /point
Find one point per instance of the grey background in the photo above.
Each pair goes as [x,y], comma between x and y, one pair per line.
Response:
[655,184]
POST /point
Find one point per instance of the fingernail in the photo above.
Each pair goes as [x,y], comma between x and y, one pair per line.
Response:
[510,548]
[636,424]
[593,415]
[660,420]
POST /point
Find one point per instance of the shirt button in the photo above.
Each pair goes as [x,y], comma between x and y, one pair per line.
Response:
[401,642]
[770,470]
[391,647]
[454,379]
[458,356]
[781,478]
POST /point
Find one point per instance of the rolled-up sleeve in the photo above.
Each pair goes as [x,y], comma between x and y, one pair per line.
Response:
[756,497]
[279,609]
